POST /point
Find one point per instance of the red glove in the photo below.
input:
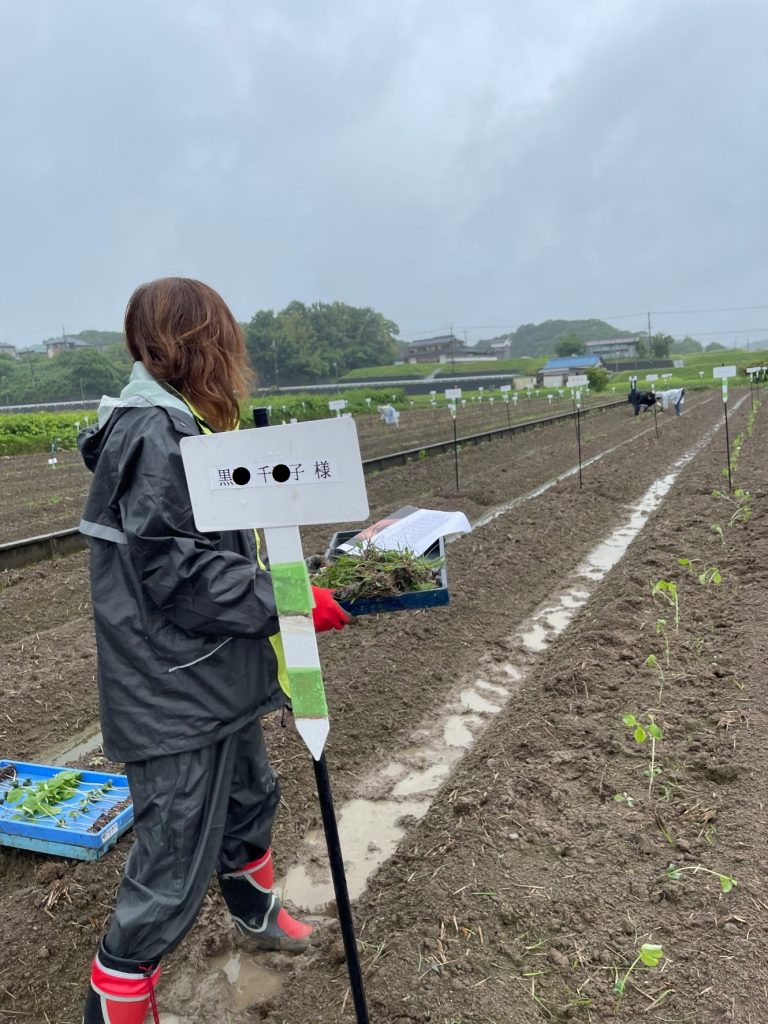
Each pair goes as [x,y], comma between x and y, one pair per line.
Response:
[327,613]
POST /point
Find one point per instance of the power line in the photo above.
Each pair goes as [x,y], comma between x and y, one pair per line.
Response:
[614,316]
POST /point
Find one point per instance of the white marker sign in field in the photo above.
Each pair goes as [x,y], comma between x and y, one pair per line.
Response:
[578,380]
[723,372]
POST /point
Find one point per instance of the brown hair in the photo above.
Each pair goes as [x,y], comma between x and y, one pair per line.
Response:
[185,335]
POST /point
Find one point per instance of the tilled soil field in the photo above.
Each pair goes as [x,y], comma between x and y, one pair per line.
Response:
[526,888]
[37,499]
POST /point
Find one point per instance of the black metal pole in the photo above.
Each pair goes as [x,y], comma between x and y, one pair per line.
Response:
[656,417]
[339,877]
[727,446]
[578,441]
[325,798]
[509,421]
[456,453]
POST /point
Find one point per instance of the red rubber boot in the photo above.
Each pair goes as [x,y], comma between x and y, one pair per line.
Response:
[256,911]
[121,991]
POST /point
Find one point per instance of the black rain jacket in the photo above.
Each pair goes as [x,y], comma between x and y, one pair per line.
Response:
[182,618]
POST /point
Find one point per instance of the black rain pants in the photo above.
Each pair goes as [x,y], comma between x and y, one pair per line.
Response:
[196,812]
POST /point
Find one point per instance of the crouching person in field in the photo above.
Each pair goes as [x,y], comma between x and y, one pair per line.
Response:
[674,397]
[641,400]
[188,656]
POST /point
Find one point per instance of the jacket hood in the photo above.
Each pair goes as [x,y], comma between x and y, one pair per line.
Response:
[142,390]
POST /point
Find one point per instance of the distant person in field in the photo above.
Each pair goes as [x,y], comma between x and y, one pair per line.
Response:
[673,397]
[641,400]
[188,653]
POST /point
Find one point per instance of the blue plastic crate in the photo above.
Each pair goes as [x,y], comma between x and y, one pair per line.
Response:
[77,837]
[439,595]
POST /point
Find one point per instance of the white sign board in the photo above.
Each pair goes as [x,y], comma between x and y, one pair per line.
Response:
[337,403]
[578,380]
[753,369]
[652,376]
[289,475]
[723,372]
[505,387]
[451,394]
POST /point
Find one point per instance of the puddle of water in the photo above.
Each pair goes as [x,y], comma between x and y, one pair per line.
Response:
[250,983]
[456,733]
[501,690]
[369,831]
[472,700]
[535,638]
[86,742]
[421,782]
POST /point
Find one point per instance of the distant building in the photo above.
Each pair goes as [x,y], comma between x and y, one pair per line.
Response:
[8,350]
[63,344]
[555,372]
[497,348]
[442,349]
[614,348]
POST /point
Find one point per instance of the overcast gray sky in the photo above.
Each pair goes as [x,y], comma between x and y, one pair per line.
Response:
[484,163]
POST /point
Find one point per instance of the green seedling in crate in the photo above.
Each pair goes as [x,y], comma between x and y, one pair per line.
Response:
[667,591]
[649,955]
[641,734]
[31,801]
[727,882]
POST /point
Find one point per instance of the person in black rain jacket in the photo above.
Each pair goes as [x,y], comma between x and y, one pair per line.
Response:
[186,638]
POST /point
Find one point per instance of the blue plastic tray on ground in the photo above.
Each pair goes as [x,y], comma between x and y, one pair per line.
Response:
[397,602]
[74,838]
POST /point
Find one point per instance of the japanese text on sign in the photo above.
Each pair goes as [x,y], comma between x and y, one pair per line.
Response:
[258,474]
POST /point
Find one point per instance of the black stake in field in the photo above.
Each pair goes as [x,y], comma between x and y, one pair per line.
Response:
[656,418]
[325,797]
[577,420]
[455,450]
[727,439]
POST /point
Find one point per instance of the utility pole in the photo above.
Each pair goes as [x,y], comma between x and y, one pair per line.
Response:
[453,365]
[274,356]
[649,330]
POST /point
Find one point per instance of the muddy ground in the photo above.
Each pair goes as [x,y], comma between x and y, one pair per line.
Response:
[526,884]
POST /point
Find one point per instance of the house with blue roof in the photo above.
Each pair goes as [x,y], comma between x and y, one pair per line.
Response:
[555,372]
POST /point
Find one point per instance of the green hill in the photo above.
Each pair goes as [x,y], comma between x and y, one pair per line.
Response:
[540,339]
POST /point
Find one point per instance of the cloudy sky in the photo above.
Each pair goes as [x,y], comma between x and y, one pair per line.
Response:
[482,164]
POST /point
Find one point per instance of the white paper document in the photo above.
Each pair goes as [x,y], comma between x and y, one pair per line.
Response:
[414,529]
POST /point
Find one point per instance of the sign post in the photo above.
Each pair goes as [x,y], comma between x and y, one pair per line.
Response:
[453,395]
[505,389]
[727,439]
[280,478]
[577,407]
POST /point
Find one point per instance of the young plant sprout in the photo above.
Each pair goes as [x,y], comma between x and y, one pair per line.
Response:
[640,734]
[667,591]
[727,882]
[717,529]
[624,798]
[710,575]
[653,662]
[649,954]
[661,630]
